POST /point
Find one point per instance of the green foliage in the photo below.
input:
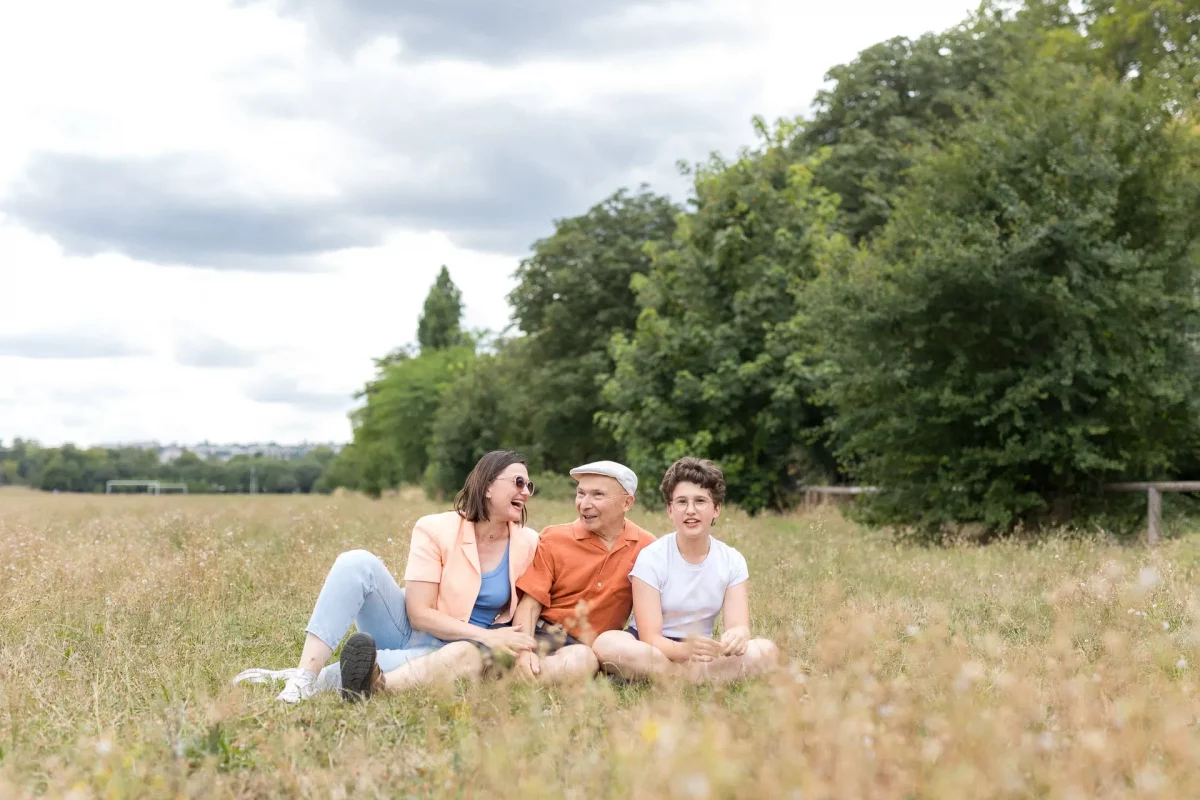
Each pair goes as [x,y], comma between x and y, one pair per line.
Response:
[704,374]
[486,408]
[1154,44]
[439,326]
[392,431]
[1022,329]
[572,295]
[893,101]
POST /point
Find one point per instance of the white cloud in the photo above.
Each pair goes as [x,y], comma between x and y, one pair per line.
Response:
[286,121]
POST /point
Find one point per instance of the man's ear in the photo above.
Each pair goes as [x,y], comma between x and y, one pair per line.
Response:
[629,502]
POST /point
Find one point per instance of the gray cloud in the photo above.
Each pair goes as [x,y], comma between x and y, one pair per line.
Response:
[495,32]
[67,345]
[492,175]
[286,391]
[166,209]
[201,350]
[493,178]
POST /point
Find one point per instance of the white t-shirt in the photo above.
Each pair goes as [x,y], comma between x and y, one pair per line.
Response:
[692,594]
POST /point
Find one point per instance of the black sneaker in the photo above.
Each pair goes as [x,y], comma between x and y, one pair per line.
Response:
[361,675]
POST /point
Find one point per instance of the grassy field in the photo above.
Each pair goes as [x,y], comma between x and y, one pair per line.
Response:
[1059,669]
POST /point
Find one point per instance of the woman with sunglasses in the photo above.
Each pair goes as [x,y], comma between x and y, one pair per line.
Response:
[454,612]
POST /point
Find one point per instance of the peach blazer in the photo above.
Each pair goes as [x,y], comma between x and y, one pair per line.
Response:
[443,551]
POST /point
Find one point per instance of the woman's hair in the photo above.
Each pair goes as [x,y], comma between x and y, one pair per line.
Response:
[471,500]
[699,471]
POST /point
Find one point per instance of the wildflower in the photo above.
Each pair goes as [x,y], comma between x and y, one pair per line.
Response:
[1181,664]
[1147,578]
[1149,780]
[695,785]
[970,672]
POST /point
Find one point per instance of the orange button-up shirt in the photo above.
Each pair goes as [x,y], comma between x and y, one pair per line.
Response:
[581,584]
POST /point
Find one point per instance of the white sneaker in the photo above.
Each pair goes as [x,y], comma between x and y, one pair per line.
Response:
[259,675]
[300,686]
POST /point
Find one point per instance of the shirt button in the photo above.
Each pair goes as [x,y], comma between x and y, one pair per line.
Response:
[598,585]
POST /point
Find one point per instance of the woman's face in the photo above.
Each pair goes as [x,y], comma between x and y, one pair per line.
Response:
[505,501]
[692,510]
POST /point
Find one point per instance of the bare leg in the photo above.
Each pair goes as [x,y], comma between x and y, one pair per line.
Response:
[624,656]
[315,654]
[573,662]
[761,656]
[455,660]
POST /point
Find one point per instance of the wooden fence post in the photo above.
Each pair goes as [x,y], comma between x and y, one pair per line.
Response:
[1154,512]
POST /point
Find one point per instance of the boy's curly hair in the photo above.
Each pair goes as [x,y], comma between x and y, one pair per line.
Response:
[700,471]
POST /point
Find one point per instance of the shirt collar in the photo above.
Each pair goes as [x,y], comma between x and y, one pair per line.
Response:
[629,533]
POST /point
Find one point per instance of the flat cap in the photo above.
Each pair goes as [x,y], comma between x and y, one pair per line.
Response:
[623,474]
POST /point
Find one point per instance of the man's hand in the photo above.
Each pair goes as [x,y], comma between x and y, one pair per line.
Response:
[509,640]
[734,641]
[529,666]
[701,648]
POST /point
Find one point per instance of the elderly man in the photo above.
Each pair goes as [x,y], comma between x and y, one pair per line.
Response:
[578,585]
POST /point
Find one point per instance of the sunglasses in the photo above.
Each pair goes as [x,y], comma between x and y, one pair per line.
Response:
[521,483]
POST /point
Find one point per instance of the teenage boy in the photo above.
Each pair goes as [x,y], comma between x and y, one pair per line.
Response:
[680,583]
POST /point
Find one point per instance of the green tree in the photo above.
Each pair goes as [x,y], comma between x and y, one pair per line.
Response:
[439,326]
[392,430]
[1154,44]
[486,408]
[902,96]
[572,295]
[705,372]
[1022,330]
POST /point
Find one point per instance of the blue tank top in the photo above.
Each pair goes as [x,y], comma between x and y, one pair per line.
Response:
[494,594]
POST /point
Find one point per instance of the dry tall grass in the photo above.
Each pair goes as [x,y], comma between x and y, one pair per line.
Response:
[1061,669]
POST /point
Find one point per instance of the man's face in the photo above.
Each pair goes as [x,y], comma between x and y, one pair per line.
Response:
[601,502]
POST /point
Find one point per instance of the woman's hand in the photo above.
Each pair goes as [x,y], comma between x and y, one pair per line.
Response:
[508,640]
[734,641]
[703,649]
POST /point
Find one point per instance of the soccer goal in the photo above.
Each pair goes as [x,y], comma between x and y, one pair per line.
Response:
[151,487]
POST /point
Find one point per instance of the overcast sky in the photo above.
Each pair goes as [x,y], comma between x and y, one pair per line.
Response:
[214,214]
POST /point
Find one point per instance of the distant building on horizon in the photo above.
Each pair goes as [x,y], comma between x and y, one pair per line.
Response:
[206,450]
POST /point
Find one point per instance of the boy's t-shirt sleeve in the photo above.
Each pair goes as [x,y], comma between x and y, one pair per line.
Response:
[649,568]
[738,572]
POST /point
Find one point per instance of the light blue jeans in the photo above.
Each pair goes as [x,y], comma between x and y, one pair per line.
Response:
[360,589]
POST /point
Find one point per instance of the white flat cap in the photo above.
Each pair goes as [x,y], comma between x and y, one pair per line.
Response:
[623,474]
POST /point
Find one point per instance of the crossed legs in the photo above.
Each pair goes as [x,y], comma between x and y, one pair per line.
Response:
[620,654]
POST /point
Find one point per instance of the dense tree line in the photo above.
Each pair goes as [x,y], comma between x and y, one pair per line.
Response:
[969,278]
[72,469]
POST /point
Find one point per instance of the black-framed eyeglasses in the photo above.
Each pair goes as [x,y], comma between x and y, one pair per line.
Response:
[522,483]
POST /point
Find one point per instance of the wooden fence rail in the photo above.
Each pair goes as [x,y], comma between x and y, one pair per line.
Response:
[1153,489]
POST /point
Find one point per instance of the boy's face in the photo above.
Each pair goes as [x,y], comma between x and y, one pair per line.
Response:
[692,510]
